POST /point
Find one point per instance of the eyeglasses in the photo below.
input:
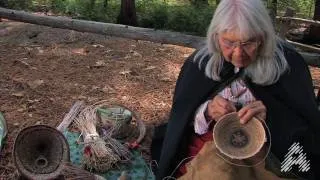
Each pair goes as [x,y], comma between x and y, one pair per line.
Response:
[248,46]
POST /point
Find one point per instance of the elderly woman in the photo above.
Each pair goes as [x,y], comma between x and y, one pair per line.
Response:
[245,68]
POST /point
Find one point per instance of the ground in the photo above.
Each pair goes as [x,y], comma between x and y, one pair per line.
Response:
[44,71]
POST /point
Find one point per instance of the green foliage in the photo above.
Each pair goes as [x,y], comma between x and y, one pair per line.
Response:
[152,14]
[190,19]
[175,15]
[88,9]
[18,4]
[304,8]
[172,16]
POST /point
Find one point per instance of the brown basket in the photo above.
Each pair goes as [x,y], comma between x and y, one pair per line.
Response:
[236,140]
[40,152]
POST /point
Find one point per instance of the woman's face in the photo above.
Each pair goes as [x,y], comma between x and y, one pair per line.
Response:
[240,52]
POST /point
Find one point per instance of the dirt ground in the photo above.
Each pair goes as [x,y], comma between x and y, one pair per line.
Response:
[43,71]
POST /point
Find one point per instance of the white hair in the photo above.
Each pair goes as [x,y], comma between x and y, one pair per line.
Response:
[251,19]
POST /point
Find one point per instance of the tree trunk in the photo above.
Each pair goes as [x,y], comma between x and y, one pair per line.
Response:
[105,4]
[128,14]
[199,2]
[314,33]
[316,15]
[273,13]
[4,3]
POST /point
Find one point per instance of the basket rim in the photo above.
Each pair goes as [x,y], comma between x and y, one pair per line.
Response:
[247,155]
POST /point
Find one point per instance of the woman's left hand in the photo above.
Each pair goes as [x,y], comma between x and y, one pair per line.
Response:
[254,109]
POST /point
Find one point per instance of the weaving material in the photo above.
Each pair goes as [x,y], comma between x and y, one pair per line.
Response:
[137,169]
[208,165]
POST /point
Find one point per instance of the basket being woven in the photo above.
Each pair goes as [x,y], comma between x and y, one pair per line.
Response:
[236,140]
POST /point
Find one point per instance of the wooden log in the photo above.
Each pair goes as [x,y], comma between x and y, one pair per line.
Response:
[316,23]
[117,30]
[305,46]
[165,37]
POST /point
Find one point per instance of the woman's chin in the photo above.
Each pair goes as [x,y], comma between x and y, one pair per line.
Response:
[240,64]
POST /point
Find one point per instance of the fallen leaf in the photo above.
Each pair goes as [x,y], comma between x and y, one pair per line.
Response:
[33,100]
[135,53]
[166,79]
[100,63]
[18,94]
[80,51]
[149,68]
[22,62]
[21,110]
[41,51]
[108,89]
[35,84]
[125,72]
[82,97]
[98,46]
[186,55]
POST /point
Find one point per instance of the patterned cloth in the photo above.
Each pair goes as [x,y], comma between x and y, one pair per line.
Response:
[137,169]
[3,129]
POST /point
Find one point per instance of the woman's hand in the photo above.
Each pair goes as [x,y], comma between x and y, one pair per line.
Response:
[218,107]
[254,109]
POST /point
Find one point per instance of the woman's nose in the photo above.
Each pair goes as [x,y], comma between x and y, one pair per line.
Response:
[238,50]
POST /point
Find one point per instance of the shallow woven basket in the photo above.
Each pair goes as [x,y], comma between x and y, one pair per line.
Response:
[238,141]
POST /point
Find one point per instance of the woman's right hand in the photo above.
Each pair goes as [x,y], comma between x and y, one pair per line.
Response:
[218,107]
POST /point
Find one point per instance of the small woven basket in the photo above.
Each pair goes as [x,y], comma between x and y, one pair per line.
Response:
[236,140]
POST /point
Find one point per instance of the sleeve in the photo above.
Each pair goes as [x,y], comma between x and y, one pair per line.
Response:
[200,122]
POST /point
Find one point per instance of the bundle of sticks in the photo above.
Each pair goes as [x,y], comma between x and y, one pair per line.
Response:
[101,153]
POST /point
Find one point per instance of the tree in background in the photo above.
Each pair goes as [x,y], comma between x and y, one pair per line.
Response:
[199,2]
[3,3]
[128,15]
[273,11]
[105,4]
[314,34]
[316,15]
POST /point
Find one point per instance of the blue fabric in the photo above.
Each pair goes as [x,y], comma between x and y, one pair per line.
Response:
[137,169]
[3,129]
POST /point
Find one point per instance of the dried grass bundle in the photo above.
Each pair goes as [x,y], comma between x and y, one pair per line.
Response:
[97,155]
[101,152]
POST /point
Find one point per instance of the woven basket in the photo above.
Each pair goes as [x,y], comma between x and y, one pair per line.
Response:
[236,140]
[40,152]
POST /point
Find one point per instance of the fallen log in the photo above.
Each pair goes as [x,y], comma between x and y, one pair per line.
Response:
[313,22]
[136,33]
[130,32]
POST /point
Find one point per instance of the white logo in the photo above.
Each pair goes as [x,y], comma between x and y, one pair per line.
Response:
[301,159]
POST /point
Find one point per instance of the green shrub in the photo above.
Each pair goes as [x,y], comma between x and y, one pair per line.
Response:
[190,19]
[152,14]
[304,8]
[175,15]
